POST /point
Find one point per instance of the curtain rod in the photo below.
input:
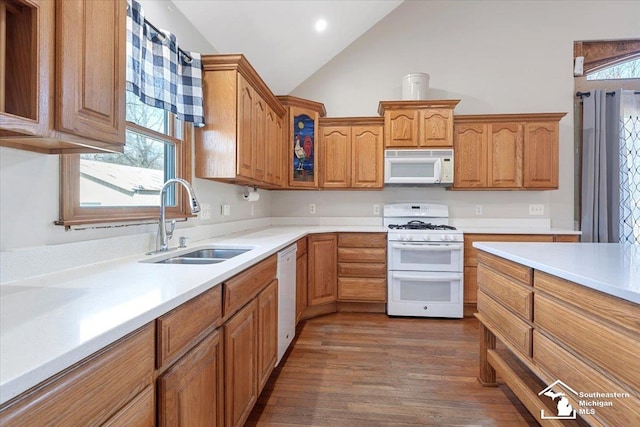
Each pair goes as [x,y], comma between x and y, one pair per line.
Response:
[588,94]
[188,58]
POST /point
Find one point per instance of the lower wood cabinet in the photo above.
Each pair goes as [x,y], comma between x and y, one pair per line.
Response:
[267,333]
[323,269]
[301,278]
[191,392]
[362,267]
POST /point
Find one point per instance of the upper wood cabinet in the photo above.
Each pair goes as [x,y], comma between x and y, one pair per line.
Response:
[301,136]
[242,140]
[352,152]
[74,101]
[506,151]
[418,124]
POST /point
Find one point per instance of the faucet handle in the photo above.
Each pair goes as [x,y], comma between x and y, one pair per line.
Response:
[183,241]
[172,227]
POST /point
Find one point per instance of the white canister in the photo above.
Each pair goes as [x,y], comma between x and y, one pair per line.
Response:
[415,86]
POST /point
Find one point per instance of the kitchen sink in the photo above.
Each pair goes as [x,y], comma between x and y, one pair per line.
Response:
[203,255]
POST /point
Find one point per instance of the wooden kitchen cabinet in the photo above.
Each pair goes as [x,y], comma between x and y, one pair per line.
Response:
[362,267]
[506,151]
[353,151]
[418,124]
[301,278]
[191,392]
[104,388]
[301,135]
[323,269]
[52,100]
[471,255]
[267,333]
[241,142]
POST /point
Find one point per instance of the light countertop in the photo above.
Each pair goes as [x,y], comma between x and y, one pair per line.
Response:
[610,268]
[50,322]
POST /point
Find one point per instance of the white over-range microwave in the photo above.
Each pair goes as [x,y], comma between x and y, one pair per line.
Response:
[418,167]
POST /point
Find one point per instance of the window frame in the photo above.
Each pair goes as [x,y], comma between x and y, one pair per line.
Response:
[71,213]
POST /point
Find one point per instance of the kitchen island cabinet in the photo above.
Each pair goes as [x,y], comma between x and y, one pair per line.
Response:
[563,325]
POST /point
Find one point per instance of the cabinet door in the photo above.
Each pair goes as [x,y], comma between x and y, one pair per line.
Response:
[401,128]
[323,269]
[272,156]
[470,156]
[541,155]
[505,155]
[436,128]
[259,139]
[240,368]
[267,332]
[336,155]
[279,158]
[301,285]
[367,157]
[190,393]
[90,79]
[302,150]
[246,99]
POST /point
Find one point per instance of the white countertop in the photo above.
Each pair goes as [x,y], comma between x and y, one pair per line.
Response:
[610,268]
[50,322]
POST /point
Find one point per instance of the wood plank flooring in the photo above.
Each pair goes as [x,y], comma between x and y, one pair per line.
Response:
[354,369]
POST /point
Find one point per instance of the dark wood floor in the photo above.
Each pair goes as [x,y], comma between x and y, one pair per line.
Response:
[352,370]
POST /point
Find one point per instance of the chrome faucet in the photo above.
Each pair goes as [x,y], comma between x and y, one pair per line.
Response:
[162,240]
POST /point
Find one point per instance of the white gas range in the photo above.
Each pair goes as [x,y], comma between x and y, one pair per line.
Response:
[425,261]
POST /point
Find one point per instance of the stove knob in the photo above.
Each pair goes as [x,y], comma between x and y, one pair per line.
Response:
[444,237]
[426,237]
[409,237]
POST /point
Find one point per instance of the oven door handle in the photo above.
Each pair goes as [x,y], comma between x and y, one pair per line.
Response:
[427,247]
[413,278]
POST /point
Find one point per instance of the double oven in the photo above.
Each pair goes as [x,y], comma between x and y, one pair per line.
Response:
[425,261]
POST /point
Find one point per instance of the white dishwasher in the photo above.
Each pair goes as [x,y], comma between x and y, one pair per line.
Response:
[286,299]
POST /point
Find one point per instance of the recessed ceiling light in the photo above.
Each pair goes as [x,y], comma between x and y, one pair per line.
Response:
[321,25]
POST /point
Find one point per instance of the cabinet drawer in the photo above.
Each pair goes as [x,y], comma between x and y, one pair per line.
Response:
[301,248]
[183,326]
[362,240]
[609,308]
[508,292]
[601,343]
[471,253]
[241,288]
[362,255]
[362,289]
[93,391]
[559,363]
[140,412]
[510,269]
[507,324]
[361,269]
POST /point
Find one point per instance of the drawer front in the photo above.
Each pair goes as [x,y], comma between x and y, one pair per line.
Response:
[301,248]
[241,288]
[609,308]
[514,329]
[558,363]
[361,269]
[362,289]
[510,269]
[597,341]
[119,374]
[362,240]
[182,327]
[362,255]
[509,292]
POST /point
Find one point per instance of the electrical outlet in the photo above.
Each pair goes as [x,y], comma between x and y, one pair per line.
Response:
[312,208]
[376,209]
[226,210]
[253,209]
[478,209]
[536,209]
[205,211]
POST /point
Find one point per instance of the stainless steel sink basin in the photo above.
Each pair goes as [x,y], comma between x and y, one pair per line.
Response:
[210,254]
[184,260]
[222,253]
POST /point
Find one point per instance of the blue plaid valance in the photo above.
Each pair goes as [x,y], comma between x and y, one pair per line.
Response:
[159,73]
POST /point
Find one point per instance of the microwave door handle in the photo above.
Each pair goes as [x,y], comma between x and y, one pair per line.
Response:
[437,171]
[429,248]
[423,278]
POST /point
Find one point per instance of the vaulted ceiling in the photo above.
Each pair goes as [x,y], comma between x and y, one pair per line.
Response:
[278,37]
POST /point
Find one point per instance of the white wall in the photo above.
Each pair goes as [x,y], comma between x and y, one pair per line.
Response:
[496,56]
[29,182]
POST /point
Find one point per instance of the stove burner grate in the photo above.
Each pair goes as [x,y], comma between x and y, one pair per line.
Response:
[420,225]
